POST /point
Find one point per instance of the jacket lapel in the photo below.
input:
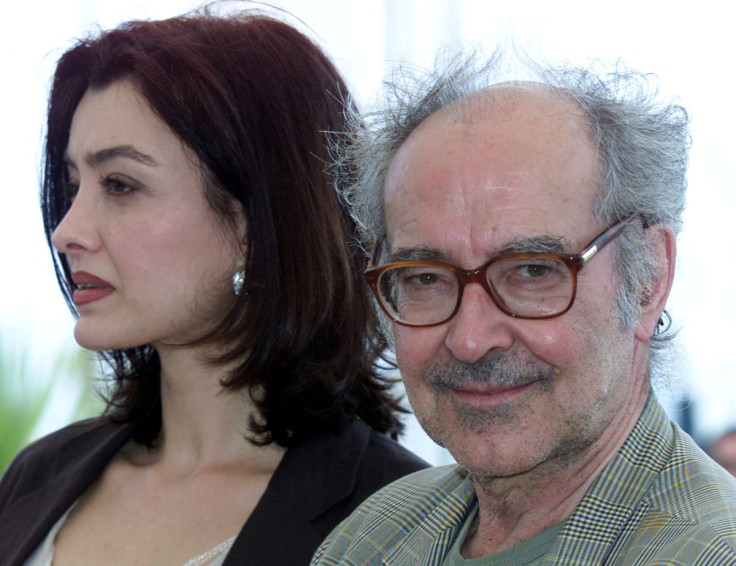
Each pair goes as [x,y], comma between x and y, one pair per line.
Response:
[84,451]
[588,536]
[304,500]
[430,540]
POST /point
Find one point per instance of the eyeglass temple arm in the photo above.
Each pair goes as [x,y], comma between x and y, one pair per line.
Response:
[376,254]
[603,240]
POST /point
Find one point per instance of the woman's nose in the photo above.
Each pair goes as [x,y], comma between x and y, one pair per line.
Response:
[76,232]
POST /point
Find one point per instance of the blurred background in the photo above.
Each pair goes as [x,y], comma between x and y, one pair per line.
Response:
[47,381]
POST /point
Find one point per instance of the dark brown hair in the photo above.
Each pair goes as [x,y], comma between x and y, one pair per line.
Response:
[255,100]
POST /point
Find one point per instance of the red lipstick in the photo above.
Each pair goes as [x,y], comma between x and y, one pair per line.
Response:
[88,288]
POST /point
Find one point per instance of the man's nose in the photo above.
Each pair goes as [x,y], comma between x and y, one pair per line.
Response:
[478,327]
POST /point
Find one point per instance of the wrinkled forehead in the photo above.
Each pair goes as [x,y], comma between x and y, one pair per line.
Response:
[515,158]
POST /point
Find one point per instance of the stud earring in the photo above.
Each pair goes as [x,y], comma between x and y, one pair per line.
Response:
[238,281]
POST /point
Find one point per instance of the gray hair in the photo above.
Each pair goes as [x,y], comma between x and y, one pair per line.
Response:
[642,142]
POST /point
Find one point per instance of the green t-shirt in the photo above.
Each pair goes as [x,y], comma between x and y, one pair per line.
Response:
[527,553]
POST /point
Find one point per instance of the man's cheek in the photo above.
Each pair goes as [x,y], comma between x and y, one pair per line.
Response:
[416,347]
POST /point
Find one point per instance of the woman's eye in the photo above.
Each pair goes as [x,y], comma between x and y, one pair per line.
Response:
[118,186]
[70,191]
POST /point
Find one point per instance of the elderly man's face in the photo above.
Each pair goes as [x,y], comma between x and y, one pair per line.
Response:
[503,394]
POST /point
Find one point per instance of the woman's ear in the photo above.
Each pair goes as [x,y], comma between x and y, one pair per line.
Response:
[240,226]
[661,240]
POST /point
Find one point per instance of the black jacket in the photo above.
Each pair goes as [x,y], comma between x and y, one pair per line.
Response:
[316,485]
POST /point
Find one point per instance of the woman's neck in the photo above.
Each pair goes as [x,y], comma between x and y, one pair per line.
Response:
[204,425]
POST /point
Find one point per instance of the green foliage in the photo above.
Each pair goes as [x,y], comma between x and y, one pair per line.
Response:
[27,394]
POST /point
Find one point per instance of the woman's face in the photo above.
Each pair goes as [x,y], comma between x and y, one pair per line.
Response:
[151,262]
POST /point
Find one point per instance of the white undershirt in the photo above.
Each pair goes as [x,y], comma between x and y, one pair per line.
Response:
[44,554]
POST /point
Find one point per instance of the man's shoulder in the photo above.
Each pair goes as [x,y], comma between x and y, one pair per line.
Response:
[694,490]
[659,499]
[413,495]
[689,511]
[428,502]
[424,489]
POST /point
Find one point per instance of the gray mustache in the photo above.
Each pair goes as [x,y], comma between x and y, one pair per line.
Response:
[504,369]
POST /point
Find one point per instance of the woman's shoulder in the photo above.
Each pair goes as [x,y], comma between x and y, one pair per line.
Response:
[74,445]
[391,456]
[328,475]
[382,460]
[73,437]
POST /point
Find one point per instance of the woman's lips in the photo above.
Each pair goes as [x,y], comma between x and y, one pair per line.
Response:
[89,288]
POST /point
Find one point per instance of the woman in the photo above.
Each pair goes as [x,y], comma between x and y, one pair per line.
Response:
[199,242]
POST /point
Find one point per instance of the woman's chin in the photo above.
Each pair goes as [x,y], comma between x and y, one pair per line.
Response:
[91,337]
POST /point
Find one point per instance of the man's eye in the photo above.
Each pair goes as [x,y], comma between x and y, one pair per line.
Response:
[424,278]
[535,270]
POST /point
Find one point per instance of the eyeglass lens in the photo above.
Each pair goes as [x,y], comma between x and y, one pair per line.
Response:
[534,287]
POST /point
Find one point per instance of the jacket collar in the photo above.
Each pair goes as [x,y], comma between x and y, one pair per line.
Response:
[82,451]
[617,492]
[312,478]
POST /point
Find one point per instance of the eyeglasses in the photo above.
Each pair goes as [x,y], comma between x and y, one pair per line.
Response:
[522,285]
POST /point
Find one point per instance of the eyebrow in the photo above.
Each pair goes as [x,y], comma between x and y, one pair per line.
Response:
[415,254]
[95,158]
[540,244]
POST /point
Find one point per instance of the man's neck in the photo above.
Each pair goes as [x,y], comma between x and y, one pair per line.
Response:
[515,508]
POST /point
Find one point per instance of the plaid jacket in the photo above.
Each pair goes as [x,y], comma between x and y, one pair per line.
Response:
[660,501]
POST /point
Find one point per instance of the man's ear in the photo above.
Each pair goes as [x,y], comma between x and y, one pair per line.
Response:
[661,240]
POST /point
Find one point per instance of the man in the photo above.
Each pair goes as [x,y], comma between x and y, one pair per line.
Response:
[524,250]
[723,451]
